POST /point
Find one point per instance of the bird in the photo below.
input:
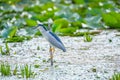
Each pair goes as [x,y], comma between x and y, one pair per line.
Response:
[53,39]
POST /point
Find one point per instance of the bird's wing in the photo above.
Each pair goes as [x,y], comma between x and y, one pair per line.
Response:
[56,37]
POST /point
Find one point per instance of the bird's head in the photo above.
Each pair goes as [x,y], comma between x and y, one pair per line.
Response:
[41,27]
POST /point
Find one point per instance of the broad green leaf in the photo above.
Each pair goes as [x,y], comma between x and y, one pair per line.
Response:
[78,1]
[9,32]
[59,24]
[93,22]
[94,11]
[13,31]
[36,8]
[47,5]
[31,22]
[68,30]
[76,24]
[112,19]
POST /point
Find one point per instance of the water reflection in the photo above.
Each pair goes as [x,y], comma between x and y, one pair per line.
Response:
[52,73]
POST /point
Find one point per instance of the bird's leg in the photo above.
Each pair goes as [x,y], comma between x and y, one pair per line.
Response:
[51,54]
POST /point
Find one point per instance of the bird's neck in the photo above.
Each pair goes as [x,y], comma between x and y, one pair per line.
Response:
[42,30]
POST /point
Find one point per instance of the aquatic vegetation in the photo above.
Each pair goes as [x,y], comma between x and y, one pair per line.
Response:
[38,48]
[10,35]
[116,76]
[18,39]
[5,51]
[26,72]
[87,38]
[36,65]
[67,31]
[9,32]
[112,19]
[59,24]
[65,14]
[68,16]
[31,22]
[94,70]
[5,69]
[7,48]
[44,60]
[56,66]
[15,70]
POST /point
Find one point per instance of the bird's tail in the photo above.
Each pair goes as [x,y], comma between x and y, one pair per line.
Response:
[64,50]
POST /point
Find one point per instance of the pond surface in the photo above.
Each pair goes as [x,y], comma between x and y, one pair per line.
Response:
[96,60]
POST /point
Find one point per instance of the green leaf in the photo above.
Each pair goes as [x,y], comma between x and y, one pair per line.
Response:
[1,50]
[55,27]
[59,24]
[18,39]
[31,22]
[67,31]
[7,48]
[94,22]
[78,1]
[76,24]
[116,76]
[9,32]
[112,19]
[13,31]
[94,11]
[88,38]
[47,5]
[36,8]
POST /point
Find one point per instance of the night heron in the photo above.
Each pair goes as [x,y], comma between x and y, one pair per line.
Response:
[53,39]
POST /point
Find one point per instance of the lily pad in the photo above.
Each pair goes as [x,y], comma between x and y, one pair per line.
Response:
[31,22]
[9,32]
[59,24]
[112,19]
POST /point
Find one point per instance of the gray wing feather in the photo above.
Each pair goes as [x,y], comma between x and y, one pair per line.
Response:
[56,37]
[55,41]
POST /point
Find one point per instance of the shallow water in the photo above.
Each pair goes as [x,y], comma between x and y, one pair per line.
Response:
[77,63]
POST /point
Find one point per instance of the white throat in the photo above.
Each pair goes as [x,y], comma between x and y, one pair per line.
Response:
[42,29]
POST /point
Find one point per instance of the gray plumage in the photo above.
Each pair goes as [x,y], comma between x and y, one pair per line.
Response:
[51,37]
